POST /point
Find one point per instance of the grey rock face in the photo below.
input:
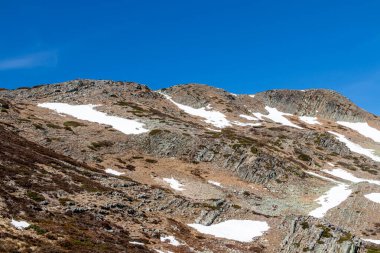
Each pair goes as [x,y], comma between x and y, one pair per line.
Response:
[261,167]
[308,234]
[325,103]
[328,142]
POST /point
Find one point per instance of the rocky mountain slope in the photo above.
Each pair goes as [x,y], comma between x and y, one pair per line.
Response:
[103,166]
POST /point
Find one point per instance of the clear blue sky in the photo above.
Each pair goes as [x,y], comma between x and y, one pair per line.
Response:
[244,46]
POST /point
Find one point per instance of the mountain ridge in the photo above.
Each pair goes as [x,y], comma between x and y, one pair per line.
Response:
[201,156]
[273,97]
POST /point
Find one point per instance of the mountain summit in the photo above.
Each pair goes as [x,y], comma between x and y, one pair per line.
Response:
[106,166]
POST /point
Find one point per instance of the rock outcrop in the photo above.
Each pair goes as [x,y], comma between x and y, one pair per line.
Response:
[319,102]
[308,234]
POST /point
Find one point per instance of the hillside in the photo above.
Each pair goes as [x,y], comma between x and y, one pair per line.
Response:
[104,166]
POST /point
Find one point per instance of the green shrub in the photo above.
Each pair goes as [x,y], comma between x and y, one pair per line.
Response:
[254,150]
[134,106]
[372,250]
[4,104]
[67,128]
[63,201]
[38,126]
[73,124]
[305,225]
[51,125]
[130,167]
[100,144]
[39,230]
[155,132]
[325,231]
[35,196]
[304,157]
[345,237]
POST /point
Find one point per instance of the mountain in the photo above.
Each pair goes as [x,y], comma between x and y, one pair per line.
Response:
[105,166]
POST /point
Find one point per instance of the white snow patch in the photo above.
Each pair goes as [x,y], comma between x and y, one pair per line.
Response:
[331,164]
[247,117]
[137,243]
[238,123]
[215,183]
[363,128]
[175,184]
[215,118]
[340,173]
[170,239]
[238,230]
[87,112]
[276,116]
[310,120]
[259,115]
[332,198]
[322,177]
[214,130]
[372,240]
[252,96]
[375,197]
[20,224]
[356,148]
[114,172]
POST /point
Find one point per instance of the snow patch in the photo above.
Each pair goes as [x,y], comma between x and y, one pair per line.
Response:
[215,118]
[136,243]
[340,173]
[356,148]
[114,172]
[363,128]
[310,120]
[372,240]
[214,130]
[20,224]
[215,183]
[252,96]
[276,116]
[175,184]
[247,117]
[238,123]
[322,177]
[375,197]
[171,240]
[332,198]
[87,112]
[160,251]
[238,230]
